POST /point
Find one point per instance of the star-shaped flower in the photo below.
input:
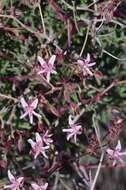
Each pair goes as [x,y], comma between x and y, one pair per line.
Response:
[74,129]
[35,186]
[29,109]
[85,65]
[115,154]
[16,183]
[47,68]
[38,147]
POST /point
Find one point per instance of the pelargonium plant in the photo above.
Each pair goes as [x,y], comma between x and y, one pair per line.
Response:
[62,94]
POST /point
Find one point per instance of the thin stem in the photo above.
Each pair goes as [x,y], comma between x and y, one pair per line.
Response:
[75,20]
[83,8]
[64,185]
[4,96]
[97,172]
[106,52]
[42,19]
[106,166]
[97,131]
[68,33]
[20,23]
[56,180]
[85,41]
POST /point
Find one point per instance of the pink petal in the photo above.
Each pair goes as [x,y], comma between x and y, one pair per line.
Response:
[8,186]
[69,136]
[52,59]
[80,62]
[67,130]
[24,115]
[45,147]
[88,58]
[122,153]
[36,114]
[45,186]
[34,103]
[38,138]
[54,72]
[75,138]
[41,72]
[110,152]
[20,179]
[88,71]
[41,61]
[35,186]
[114,162]
[23,102]
[44,154]
[70,121]
[36,154]
[118,147]
[91,64]
[10,176]
[32,143]
[31,118]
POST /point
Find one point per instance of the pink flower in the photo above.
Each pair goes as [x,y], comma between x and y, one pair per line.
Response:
[35,186]
[16,183]
[29,109]
[85,65]
[47,138]
[116,153]
[38,147]
[47,68]
[74,130]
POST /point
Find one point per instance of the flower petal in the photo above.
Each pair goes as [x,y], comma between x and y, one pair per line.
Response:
[31,118]
[118,147]
[80,62]
[10,176]
[67,130]
[70,121]
[44,154]
[88,58]
[41,61]
[32,143]
[45,186]
[75,138]
[20,179]
[36,114]
[24,115]
[35,186]
[69,136]
[52,59]
[8,186]
[23,102]
[38,138]
[114,162]
[91,64]
[110,152]
[34,103]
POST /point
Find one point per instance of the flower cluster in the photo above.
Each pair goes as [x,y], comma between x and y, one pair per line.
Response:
[115,154]
[38,146]
[47,68]
[73,130]
[17,183]
[85,65]
[29,109]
